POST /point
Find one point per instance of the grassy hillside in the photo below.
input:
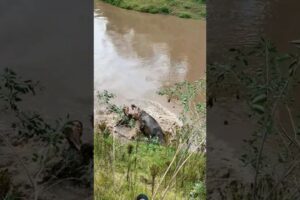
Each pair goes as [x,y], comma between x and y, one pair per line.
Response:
[195,9]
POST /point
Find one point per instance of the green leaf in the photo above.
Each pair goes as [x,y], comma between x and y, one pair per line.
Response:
[258,108]
[292,68]
[259,99]
[283,57]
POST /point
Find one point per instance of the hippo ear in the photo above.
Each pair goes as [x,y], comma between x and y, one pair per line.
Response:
[133,106]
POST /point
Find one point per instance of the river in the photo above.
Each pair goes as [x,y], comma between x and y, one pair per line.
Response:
[239,24]
[242,23]
[136,53]
[236,24]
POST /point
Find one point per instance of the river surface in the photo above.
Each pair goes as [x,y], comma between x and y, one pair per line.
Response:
[136,53]
[241,23]
[235,23]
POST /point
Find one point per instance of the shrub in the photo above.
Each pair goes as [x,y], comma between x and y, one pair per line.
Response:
[164,10]
[185,15]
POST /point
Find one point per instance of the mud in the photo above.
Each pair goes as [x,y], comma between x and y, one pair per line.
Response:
[167,119]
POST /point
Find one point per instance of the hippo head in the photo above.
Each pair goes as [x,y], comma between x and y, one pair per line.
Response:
[132,112]
[73,133]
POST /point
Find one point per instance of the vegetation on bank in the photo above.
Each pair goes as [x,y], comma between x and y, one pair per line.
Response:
[266,80]
[195,9]
[124,170]
[37,145]
[174,171]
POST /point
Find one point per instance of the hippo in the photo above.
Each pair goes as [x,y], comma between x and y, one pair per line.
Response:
[148,125]
[73,133]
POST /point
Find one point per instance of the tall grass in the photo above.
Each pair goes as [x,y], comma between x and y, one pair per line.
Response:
[125,169]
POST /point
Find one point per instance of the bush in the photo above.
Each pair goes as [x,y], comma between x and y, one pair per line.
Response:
[198,192]
[113,2]
[149,9]
[185,15]
[164,10]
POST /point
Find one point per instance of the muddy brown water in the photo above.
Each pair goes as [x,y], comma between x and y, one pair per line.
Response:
[235,23]
[136,53]
[242,23]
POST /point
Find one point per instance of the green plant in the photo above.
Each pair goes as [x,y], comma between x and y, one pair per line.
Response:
[31,128]
[182,8]
[194,110]
[165,10]
[105,98]
[139,167]
[13,88]
[198,192]
[114,2]
[173,170]
[186,93]
[185,15]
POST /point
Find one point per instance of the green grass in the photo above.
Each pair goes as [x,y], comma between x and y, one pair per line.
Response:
[195,9]
[124,170]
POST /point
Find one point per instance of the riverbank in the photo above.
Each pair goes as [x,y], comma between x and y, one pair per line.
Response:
[195,9]
[126,163]
[125,167]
